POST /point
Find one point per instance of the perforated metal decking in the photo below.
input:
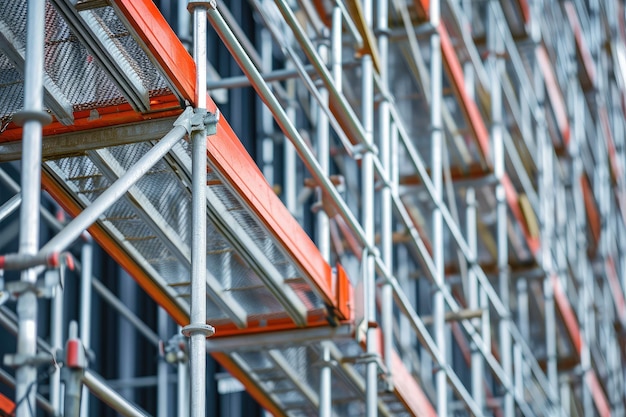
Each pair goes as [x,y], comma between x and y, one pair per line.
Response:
[474,219]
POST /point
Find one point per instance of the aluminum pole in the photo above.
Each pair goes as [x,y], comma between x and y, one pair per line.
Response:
[245,63]
[546,190]
[386,222]
[325,401]
[477,361]
[163,367]
[182,389]
[437,138]
[32,117]
[109,396]
[86,274]
[56,340]
[10,206]
[367,219]
[496,48]
[198,330]
[323,232]
[524,327]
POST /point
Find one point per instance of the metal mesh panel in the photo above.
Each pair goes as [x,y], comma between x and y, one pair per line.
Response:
[267,245]
[13,13]
[73,69]
[69,64]
[286,370]
[11,90]
[151,77]
[162,197]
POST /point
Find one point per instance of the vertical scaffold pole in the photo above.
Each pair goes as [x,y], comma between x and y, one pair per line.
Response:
[198,330]
[495,50]
[477,360]
[33,118]
[386,232]
[546,190]
[323,225]
[436,125]
[86,274]
[367,188]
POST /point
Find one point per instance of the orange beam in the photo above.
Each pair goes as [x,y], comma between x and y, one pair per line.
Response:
[571,324]
[165,47]
[251,385]
[512,199]
[616,168]
[616,290]
[593,214]
[476,124]
[525,9]
[230,158]
[226,152]
[162,106]
[459,336]
[7,407]
[582,51]
[422,7]
[554,93]
[468,106]
[409,391]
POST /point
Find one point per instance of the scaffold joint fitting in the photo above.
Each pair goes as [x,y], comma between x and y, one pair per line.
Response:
[198,328]
[209,5]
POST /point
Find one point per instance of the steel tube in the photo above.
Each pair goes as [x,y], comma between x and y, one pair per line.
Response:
[86,274]
[357,129]
[125,312]
[10,206]
[197,329]
[42,403]
[367,220]
[163,367]
[477,362]
[325,401]
[197,359]
[56,340]
[283,121]
[323,234]
[386,224]
[243,81]
[495,46]
[106,394]
[524,326]
[182,386]
[88,216]
[33,116]
[336,48]
[437,138]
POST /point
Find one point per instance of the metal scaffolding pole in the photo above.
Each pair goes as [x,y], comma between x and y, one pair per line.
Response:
[367,220]
[56,339]
[386,222]
[32,118]
[477,360]
[496,49]
[437,138]
[197,330]
[323,230]
[546,190]
[109,396]
[86,275]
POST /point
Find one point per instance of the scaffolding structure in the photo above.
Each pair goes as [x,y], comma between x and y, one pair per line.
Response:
[431,225]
